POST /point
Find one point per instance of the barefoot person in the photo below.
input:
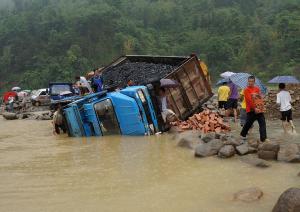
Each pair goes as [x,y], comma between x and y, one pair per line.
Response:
[284,101]
[255,112]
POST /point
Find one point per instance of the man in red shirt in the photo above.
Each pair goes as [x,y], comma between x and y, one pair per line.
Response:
[253,112]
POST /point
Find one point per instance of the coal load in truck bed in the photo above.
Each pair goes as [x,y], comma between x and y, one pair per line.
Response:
[140,72]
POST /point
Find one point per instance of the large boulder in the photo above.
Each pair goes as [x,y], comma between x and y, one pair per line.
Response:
[269,146]
[226,151]
[267,155]
[245,149]
[289,153]
[254,161]
[189,139]
[208,149]
[289,201]
[10,116]
[248,195]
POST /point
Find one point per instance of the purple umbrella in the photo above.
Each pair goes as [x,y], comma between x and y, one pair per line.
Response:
[168,83]
[284,79]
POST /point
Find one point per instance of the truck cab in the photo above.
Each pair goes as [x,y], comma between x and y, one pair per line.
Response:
[126,112]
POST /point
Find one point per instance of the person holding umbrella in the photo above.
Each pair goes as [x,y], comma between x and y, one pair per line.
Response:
[254,109]
[284,101]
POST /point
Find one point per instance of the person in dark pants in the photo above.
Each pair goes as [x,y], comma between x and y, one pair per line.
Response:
[254,112]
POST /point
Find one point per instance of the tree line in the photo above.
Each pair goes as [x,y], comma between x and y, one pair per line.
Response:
[53,40]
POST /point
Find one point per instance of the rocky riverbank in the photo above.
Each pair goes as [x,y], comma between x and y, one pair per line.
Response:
[227,145]
[37,115]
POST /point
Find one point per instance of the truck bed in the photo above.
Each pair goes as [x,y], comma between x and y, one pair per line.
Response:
[187,98]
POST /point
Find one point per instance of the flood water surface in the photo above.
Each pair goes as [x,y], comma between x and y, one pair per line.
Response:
[43,172]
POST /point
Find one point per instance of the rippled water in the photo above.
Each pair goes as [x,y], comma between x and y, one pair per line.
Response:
[42,172]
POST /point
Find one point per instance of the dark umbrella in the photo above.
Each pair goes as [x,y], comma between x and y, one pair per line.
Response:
[241,80]
[284,79]
[168,83]
[221,81]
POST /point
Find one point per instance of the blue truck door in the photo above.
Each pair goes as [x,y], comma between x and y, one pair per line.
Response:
[74,122]
[128,113]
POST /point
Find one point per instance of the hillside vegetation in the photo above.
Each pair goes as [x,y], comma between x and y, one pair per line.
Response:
[50,40]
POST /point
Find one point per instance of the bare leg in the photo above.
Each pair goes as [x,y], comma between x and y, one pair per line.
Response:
[284,126]
[235,115]
[293,126]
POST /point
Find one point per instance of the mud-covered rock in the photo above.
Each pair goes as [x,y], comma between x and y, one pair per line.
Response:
[254,161]
[208,137]
[289,153]
[267,155]
[253,143]
[269,146]
[289,201]
[249,195]
[226,151]
[189,139]
[10,116]
[245,149]
[208,149]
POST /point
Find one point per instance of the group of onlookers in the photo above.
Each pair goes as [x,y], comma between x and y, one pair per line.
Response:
[252,106]
[93,83]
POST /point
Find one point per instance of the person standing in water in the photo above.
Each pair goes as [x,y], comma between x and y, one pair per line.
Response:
[284,101]
[254,109]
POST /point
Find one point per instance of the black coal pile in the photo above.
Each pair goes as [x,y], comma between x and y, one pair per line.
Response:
[140,73]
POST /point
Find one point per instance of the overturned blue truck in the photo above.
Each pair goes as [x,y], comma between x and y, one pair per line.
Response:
[134,110]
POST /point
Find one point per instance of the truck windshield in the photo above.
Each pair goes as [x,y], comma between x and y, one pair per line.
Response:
[58,89]
[107,118]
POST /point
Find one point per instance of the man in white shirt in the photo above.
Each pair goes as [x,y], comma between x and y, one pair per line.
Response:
[284,100]
[83,85]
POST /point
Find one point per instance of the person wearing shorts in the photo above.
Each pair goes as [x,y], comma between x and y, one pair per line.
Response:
[284,101]
[223,94]
[232,103]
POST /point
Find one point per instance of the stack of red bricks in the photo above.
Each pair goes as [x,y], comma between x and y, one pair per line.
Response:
[206,121]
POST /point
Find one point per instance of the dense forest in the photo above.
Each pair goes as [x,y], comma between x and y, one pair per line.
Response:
[50,40]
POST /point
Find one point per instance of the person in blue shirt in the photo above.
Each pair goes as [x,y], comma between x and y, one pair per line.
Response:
[97,81]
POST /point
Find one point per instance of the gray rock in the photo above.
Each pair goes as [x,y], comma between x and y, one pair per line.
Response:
[208,149]
[218,135]
[267,155]
[189,139]
[289,201]
[248,195]
[226,151]
[254,161]
[269,146]
[232,141]
[253,143]
[10,116]
[245,149]
[289,153]
[208,137]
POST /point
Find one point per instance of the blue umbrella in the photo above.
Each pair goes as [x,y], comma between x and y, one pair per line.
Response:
[241,80]
[284,79]
[221,81]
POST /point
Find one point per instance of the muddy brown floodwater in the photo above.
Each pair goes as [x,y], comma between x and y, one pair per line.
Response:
[42,172]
